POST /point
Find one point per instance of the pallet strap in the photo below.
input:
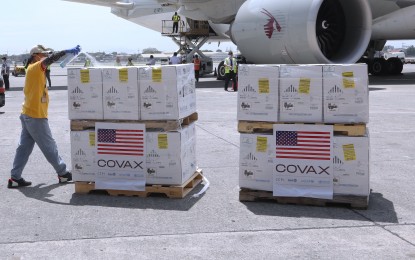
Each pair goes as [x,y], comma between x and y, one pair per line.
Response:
[207,183]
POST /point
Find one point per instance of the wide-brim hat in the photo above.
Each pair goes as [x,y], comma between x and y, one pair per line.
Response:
[40,49]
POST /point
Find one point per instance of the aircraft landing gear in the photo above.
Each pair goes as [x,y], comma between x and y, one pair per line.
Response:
[190,39]
[380,66]
[377,64]
[394,66]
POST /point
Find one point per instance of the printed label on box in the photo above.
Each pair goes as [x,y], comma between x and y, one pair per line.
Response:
[303,161]
[121,157]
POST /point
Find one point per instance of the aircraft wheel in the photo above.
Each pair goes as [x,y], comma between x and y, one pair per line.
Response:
[377,67]
[221,71]
[395,66]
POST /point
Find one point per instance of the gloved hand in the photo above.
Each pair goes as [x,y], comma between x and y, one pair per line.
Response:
[74,51]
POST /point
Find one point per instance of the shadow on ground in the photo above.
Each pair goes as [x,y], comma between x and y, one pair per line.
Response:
[101,198]
[380,210]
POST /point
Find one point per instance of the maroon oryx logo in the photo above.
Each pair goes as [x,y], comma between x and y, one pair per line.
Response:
[272,24]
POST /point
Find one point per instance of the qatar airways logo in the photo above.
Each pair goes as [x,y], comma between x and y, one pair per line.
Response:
[272,24]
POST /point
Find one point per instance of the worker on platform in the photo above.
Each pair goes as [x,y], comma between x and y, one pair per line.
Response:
[176,19]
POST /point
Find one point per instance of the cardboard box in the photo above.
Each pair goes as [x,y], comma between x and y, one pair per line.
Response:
[301,93]
[121,93]
[83,155]
[346,93]
[351,165]
[85,94]
[167,92]
[255,161]
[171,156]
[258,92]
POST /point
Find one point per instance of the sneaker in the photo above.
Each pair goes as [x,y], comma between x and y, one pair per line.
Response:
[65,178]
[17,183]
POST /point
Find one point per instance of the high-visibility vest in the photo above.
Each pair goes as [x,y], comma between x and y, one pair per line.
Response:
[176,18]
[197,64]
[228,63]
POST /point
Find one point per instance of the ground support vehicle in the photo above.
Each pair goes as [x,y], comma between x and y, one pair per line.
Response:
[18,70]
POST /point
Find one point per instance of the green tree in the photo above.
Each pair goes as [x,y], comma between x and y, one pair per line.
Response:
[150,50]
[410,51]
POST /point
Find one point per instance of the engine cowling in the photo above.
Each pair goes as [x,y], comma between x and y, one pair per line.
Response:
[306,31]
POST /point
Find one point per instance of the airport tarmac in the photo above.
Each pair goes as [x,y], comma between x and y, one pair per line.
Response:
[50,221]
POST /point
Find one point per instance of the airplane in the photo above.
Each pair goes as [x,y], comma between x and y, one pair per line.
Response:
[288,32]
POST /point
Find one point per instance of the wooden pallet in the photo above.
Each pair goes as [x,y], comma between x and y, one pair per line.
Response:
[266,127]
[162,125]
[352,201]
[174,192]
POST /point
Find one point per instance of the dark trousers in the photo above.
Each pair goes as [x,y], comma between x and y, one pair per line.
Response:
[197,75]
[228,77]
[6,81]
[48,77]
[175,27]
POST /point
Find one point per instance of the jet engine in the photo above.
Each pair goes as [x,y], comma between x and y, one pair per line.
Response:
[306,31]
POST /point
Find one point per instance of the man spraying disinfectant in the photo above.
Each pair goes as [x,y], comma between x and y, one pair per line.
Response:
[34,117]
[70,57]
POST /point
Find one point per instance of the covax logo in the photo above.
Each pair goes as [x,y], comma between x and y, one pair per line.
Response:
[119,164]
[307,169]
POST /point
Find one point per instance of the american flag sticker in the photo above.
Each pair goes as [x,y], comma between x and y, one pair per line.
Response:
[303,142]
[120,139]
[303,145]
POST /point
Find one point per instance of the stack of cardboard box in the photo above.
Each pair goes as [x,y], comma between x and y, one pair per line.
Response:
[135,95]
[321,94]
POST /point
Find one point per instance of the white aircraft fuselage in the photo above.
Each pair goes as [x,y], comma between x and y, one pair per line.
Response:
[281,31]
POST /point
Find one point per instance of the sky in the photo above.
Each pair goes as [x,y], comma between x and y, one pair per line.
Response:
[62,25]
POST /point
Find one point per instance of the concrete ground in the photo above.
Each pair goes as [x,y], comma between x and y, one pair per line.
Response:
[50,221]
